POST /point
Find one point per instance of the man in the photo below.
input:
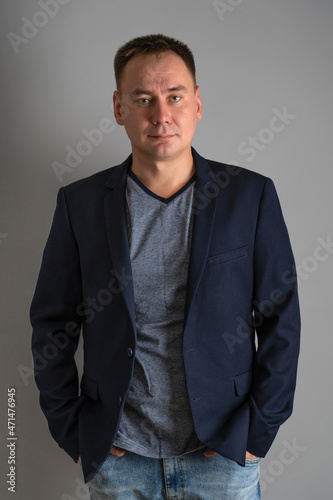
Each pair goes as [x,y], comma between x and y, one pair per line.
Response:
[170,264]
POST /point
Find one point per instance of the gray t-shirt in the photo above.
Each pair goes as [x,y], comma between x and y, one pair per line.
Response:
[157,420]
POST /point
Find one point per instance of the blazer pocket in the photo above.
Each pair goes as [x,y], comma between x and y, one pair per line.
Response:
[236,253]
[243,383]
[89,387]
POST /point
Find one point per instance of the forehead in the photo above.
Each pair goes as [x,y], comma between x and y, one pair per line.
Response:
[150,70]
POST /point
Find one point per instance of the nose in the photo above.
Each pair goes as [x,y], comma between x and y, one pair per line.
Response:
[160,112]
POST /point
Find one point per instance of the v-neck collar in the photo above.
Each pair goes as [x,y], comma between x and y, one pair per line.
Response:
[160,198]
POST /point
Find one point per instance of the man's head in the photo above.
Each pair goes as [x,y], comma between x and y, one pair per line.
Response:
[151,44]
[157,100]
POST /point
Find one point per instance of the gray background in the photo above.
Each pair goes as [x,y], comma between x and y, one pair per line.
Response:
[258,56]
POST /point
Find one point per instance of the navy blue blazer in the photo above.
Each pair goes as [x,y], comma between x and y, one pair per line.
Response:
[241,325]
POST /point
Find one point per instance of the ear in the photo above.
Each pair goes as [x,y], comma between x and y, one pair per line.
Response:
[198,102]
[117,108]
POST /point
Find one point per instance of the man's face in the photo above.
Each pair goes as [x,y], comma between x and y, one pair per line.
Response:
[158,105]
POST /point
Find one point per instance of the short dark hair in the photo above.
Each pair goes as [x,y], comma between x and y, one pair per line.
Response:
[152,44]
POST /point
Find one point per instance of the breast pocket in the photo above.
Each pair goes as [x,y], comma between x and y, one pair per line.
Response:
[236,253]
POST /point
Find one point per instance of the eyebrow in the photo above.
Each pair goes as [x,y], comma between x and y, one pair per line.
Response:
[139,91]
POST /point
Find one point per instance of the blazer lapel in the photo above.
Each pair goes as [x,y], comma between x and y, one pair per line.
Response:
[115,218]
[203,220]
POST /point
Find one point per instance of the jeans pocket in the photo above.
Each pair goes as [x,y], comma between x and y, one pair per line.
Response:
[252,462]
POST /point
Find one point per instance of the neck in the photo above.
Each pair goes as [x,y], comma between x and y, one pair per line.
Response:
[164,177]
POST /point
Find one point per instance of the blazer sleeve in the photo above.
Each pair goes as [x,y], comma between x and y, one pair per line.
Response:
[276,319]
[56,330]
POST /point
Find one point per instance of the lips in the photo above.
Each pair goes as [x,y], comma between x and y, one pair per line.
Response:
[168,136]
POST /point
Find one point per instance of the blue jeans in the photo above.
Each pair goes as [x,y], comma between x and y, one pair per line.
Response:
[189,477]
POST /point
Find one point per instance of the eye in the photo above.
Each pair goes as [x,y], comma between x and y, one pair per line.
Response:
[143,100]
[175,98]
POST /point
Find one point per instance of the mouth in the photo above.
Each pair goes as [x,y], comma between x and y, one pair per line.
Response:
[161,137]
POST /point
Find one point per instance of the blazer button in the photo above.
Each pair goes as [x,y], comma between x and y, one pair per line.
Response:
[120,400]
[130,352]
